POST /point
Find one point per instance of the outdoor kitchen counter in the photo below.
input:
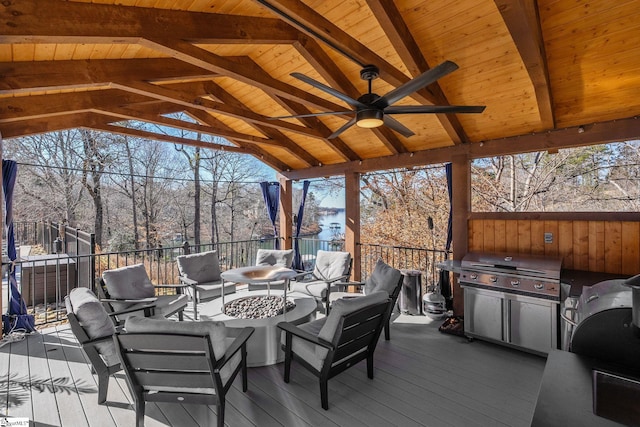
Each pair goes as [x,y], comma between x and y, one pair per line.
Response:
[565,397]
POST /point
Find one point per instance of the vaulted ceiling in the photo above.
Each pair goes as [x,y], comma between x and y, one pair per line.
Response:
[551,73]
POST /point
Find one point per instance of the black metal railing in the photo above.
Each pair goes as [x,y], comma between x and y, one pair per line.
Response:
[45,280]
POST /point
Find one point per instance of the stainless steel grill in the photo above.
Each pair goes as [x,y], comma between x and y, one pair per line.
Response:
[521,274]
[512,299]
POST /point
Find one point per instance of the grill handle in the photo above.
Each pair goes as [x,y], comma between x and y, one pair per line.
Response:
[564,317]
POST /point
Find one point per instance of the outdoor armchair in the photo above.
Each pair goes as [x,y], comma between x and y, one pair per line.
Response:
[93,327]
[128,287]
[201,274]
[267,257]
[328,346]
[383,278]
[182,362]
[330,267]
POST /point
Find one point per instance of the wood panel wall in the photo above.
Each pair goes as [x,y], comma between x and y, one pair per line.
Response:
[596,244]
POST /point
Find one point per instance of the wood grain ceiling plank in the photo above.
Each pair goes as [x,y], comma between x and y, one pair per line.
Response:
[316,26]
[396,29]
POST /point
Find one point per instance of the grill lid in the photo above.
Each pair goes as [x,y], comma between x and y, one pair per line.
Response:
[518,264]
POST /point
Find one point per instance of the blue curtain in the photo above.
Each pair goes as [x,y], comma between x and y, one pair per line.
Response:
[17,317]
[271,194]
[298,264]
[448,170]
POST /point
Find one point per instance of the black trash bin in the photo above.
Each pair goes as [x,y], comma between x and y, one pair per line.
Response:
[410,300]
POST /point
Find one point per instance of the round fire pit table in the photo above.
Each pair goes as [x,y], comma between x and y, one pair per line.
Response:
[263,348]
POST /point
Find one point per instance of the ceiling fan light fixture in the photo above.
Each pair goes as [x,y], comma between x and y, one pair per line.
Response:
[369,118]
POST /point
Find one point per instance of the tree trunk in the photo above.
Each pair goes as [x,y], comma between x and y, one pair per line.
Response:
[134,208]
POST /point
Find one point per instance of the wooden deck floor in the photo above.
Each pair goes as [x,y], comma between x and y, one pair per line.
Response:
[422,378]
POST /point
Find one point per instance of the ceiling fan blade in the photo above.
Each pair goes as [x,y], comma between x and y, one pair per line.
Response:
[329,90]
[397,126]
[420,109]
[342,129]
[297,116]
[417,83]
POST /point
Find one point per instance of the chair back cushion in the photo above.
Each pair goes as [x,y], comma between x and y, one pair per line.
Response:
[331,264]
[130,282]
[203,267]
[345,306]
[383,278]
[274,257]
[94,320]
[217,332]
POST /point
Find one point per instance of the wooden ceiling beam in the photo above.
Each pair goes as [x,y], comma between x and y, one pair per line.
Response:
[139,113]
[24,107]
[321,62]
[288,144]
[318,27]
[139,133]
[259,153]
[202,58]
[596,133]
[33,126]
[336,144]
[162,92]
[390,19]
[54,21]
[521,18]
[18,77]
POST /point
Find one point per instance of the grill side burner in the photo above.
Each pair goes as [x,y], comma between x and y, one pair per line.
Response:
[512,300]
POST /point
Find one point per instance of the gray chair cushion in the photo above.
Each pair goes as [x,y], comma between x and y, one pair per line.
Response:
[217,332]
[316,288]
[274,257]
[345,306]
[94,320]
[383,278]
[202,267]
[131,282]
[308,351]
[330,265]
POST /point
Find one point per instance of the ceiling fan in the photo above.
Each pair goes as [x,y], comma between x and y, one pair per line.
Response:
[372,110]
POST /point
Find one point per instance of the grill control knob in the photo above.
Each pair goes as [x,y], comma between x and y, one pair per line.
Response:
[515,283]
[473,276]
[539,286]
[493,279]
[508,258]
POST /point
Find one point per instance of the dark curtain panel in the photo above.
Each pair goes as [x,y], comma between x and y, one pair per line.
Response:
[298,264]
[450,222]
[17,317]
[271,194]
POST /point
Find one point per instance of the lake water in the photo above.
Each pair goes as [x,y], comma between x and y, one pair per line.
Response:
[325,221]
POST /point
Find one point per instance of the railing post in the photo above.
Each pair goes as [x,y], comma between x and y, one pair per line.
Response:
[92,265]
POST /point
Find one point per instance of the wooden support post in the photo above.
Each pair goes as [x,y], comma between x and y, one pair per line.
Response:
[286,224]
[352,221]
[461,200]
[1,234]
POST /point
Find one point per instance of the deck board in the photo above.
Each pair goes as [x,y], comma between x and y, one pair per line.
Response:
[422,378]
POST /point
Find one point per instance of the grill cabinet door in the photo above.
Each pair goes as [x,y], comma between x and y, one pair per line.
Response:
[532,323]
[483,313]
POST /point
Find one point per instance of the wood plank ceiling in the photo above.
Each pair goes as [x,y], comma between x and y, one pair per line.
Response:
[542,70]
